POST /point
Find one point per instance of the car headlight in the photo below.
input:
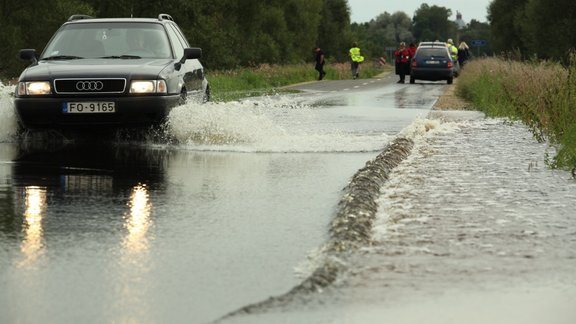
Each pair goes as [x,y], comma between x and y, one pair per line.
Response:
[148,86]
[35,88]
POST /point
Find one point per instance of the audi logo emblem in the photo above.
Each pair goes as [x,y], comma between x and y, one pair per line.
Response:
[89,85]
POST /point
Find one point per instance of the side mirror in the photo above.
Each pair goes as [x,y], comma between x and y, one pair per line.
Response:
[192,53]
[189,53]
[29,55]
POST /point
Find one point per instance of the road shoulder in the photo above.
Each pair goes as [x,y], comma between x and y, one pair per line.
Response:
[450,101]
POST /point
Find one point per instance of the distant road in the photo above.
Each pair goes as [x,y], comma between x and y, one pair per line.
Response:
[345,85]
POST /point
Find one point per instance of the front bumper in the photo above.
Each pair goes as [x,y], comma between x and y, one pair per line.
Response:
[140,111]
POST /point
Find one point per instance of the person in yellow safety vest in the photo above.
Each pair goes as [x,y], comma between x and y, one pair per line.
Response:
[356,60]
[454,54]
[453,49]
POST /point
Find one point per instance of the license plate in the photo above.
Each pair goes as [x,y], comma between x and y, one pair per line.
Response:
[92,107]
[432,62]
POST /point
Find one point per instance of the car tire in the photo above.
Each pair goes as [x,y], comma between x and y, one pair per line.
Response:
[450,80]
[183,97]
[20,130]
[206,96]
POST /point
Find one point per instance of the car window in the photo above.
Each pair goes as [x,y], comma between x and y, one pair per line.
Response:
[180,35]
[436,52]
[95,40]
[176,41]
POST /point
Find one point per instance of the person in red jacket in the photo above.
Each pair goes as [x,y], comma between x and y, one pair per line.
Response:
[412,48]
[402,55]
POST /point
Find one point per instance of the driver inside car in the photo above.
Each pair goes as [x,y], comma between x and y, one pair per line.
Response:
[136,40]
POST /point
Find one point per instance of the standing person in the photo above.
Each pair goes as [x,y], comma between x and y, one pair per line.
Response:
[452,49]
[454,54]
[463,53]
[402,55]
[356,60]
[319,63]
[412,49]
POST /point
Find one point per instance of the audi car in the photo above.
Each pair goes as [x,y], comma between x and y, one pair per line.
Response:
[109,72]
[432,62]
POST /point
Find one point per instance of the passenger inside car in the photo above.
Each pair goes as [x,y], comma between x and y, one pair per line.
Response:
[135,41]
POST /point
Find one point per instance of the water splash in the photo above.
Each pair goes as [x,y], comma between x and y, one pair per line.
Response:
[7,116]
[269,124]
[220,123]
[477,188]
[265,125]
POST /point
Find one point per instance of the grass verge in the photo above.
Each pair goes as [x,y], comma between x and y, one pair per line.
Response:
[540,94]
[268,79]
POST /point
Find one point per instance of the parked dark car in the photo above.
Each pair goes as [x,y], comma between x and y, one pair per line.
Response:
[432,62]
[120,72]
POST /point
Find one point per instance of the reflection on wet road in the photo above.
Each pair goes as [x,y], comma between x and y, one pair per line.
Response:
[35,203]
[156,226]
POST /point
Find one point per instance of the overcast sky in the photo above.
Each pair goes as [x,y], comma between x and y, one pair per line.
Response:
[365,10]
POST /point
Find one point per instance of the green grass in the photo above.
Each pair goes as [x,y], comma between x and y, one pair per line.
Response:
[269,79]
[540,94]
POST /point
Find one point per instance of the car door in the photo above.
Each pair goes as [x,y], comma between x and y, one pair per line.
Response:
[192,71]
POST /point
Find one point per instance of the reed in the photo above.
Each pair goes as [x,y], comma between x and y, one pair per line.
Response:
[541,94]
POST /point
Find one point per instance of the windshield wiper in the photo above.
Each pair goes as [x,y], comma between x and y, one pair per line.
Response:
[122,57]
[61,57]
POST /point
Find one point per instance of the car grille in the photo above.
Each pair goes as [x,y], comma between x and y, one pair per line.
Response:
[89,86]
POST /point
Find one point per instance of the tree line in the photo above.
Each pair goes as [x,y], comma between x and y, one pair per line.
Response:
[239,33]
[534,28]
[232,33]
[429,23]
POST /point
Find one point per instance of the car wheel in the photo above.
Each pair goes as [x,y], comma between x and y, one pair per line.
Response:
[206,96]
[412,80]
[183,97]
[20,130]
[450,81]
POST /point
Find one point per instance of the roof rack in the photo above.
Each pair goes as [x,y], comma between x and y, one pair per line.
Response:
[165,17]
[79,17]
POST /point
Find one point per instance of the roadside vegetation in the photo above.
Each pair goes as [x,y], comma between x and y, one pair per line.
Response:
[270,79]
[541,94]
[536,81]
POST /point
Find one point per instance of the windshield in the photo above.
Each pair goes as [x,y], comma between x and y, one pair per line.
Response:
[109,40]
[435,52]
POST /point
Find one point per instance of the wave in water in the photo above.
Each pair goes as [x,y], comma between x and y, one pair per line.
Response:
[7,116]
[265,125]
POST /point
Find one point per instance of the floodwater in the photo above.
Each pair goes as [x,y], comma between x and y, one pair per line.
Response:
[472,227]
[219,215]
[235,208]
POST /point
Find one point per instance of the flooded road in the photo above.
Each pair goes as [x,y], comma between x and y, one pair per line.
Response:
[472,228]
[136,234]
[234,210]
[220,216]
